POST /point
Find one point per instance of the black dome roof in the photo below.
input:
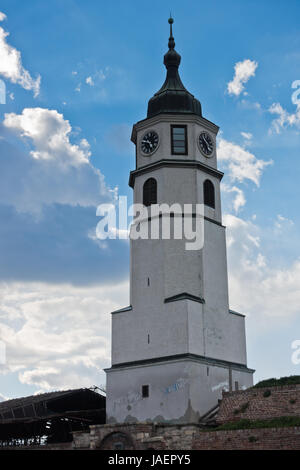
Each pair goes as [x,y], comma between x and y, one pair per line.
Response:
[173,97]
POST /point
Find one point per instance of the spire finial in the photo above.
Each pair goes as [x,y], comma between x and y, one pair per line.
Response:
[171,43]
[172,97]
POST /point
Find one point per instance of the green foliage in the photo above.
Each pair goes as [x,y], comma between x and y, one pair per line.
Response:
[290,380]
[252,439]
[292,401]
[283,421]
[267,393]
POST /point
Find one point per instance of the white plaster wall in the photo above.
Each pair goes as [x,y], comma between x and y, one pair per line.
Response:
[147,261]
[196,331]
[174,185]
[222,340]
[237,338]
[170,267]
[180,185]
[182,269]
[125,399]
[167,263]
[225,335]
[169,327]
[180,391]
[215,282]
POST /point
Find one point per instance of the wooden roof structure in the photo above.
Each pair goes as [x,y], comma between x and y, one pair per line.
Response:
[50,417]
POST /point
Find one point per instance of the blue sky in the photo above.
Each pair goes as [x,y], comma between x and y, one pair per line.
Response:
[80,74]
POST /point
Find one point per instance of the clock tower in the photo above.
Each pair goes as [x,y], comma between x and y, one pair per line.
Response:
[177,345]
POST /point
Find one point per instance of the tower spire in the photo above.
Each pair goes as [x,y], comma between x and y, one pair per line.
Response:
[172,96]
[171,43]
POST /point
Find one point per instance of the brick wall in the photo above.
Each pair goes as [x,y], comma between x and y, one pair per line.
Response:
[177,437]
[249,439]
[106,436]
[252,404]
[140,436]
[186,437]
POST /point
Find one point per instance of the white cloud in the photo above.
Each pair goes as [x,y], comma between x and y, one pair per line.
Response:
[103,73]
[53,169]
[249,105]
[2,16]
[106,85]
[89,81]
[50,134]
[11,66]
[247,135]
[242,165]
[284,119]
[242,73]
[58,336]
[255,287]
[282,222]
[239,199]
[98,77]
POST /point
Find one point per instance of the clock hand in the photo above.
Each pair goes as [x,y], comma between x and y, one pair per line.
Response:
[204,143]
[207,144]
[146,142]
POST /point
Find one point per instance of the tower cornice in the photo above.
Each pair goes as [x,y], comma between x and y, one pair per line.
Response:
[175,163]
[182,357]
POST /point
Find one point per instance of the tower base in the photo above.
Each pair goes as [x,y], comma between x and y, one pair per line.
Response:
[175,389]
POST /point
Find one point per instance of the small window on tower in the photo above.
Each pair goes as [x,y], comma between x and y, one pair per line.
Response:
[150,192]
[209,194]
[145,391]
[179,140]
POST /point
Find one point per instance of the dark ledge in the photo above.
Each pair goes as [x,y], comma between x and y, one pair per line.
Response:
[184,296]
[202,359]
[125,309]
[170,162]
[236,313]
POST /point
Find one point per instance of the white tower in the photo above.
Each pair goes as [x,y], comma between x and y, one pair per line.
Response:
[177,345]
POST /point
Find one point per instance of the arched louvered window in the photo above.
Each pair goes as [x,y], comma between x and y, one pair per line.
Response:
[209,194]
[150,192]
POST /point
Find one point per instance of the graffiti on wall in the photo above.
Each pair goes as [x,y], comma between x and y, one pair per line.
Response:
[175,387]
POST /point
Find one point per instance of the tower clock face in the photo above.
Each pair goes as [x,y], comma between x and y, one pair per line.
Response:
[206,144]
[149,142]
